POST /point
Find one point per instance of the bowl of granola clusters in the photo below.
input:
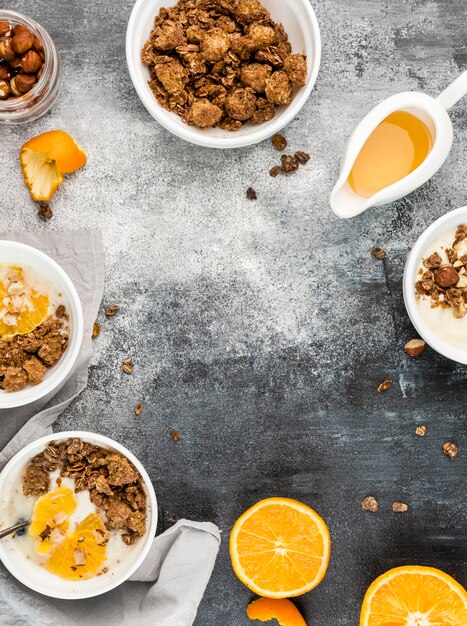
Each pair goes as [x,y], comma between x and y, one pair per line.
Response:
[435,285]
[41,325]
[92,512]
[223,73]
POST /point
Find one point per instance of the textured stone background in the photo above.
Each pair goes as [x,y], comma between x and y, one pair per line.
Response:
[260,330]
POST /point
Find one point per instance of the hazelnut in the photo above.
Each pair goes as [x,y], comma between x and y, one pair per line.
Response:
[39,48]
[5,72]
[30,62]
[446,276]
[19,28]
[5,28]
[22,41]
[6,51]
[415,347]
[22,83]
[5,90]
[40,72]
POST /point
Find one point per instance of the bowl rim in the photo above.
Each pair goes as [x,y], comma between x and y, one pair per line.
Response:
[26,452]
[429,234]
[16,398]
[186,132]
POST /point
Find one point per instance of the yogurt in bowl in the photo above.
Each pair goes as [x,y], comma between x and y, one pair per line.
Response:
[435,285]
[93,515]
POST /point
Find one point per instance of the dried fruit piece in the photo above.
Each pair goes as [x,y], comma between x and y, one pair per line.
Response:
[251,194]
[111,310]
[400,507]
[127,365]
[370,504]
[280,548]
[96,330]
[138,409]
[46,158]
[450,449]
[384,385]
[284,611]
[415,347]
[175,435]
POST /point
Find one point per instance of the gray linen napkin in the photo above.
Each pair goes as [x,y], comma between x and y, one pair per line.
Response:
[181,559]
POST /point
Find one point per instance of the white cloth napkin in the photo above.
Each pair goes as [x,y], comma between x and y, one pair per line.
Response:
[168,587]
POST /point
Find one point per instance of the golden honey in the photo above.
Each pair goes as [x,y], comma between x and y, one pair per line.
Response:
[394,149]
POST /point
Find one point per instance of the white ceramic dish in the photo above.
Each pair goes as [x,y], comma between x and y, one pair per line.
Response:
[37,577]
[21,254]
[447,222]
[300,23]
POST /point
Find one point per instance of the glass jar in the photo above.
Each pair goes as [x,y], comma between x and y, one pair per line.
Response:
[42,96]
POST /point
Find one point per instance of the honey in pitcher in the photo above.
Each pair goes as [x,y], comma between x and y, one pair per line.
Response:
[393,150]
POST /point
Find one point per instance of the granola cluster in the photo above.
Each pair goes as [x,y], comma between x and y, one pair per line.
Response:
[221,63]
[115,485]
[25,358]
[445,283]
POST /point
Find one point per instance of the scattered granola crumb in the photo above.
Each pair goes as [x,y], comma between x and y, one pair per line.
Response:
[275,171]
[127,365]
[111,310]
[421,430]
[96,330]
[415,347]
[289,164]
[175,435]
[45,212]
[302,157]
[465,372]
[251,194]
[138,409]
[400,507]
[384,385]
[370,504]
[378,253]
[279,142]
[450,449]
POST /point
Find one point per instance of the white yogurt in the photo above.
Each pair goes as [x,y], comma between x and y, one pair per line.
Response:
[441,322]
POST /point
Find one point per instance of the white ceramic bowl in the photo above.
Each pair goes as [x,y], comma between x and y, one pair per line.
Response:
[21,254]
[447,222]
[37,577]
[300,23]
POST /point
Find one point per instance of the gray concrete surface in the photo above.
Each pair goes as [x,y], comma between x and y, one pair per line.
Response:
[260,330]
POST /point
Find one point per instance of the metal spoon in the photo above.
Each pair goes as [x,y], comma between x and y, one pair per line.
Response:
[12,529]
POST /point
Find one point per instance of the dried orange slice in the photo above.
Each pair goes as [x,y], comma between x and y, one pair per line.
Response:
[82,552]
[46,158]
[414,596]
[280,548]
[284,611]
[50,518]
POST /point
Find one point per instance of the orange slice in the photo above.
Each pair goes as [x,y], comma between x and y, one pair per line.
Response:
[82,552]
[27,321]
[414,596]
[280,548]
[46,158]
[284,611]
[51,512]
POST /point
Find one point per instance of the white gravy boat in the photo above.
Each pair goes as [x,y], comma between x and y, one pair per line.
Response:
[433,112]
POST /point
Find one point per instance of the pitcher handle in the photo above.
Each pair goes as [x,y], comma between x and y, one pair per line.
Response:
[453,93]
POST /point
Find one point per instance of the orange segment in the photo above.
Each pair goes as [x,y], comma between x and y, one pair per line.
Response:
[284,611]
[51,512]
[46,158]
[414,596]
[82,552]
[280,548]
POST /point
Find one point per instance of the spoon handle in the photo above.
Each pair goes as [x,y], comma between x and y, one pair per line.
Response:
[455,91]
[12,529]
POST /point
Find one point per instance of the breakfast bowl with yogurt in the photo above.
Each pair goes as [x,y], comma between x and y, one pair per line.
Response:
[435,285]
[92,515]
[41,325]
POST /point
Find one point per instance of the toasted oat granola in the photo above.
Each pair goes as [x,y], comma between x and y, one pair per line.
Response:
[445,283]
[221,63]
[115,485]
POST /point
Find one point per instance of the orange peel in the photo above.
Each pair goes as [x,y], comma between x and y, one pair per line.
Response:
[46,158]
[284,611]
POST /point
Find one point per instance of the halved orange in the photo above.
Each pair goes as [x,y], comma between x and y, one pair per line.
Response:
[280,548]
[414,596]
[82,552]
[51,511]
[284,611]
[46,158]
